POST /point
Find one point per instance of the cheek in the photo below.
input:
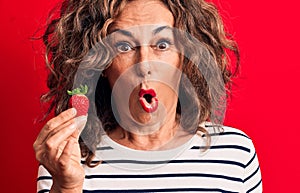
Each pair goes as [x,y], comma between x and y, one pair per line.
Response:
[116,69]
[173,59]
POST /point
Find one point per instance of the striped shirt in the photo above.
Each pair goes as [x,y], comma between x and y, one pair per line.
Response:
[229,165]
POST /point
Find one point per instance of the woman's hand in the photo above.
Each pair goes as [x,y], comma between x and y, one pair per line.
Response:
[57,149]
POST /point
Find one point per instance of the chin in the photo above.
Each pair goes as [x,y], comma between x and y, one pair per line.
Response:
[141,123]
[143,118]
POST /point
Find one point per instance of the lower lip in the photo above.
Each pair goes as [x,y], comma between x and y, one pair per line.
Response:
[149,107]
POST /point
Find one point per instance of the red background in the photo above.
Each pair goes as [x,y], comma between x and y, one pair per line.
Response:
[265,103]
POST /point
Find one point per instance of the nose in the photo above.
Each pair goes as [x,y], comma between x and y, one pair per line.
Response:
[143,60]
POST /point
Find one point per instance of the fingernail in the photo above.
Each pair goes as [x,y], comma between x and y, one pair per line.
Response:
[74,111]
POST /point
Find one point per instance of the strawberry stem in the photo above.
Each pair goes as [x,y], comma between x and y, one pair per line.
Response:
[80,90]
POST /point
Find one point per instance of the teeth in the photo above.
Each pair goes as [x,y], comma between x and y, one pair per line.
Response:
[148,105]
[153,100]
[148,100]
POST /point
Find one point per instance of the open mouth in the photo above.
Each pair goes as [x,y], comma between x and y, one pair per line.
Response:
[148,100]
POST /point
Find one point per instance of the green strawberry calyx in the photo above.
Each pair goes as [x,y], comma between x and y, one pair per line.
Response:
[80,90]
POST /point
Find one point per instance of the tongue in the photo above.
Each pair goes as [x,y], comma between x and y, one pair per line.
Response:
[149,107]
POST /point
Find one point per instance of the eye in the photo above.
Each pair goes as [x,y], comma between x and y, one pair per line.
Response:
[163,45]
[123,47]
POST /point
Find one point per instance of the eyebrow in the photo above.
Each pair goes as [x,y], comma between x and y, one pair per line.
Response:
[161,28]
[124,32]
[154,32]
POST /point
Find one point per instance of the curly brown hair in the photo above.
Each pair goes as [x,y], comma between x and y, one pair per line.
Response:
[81,24]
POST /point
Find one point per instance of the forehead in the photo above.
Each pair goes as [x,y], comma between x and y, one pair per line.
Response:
[144,12]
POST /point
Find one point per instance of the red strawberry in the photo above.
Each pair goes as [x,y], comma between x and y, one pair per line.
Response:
[79,101]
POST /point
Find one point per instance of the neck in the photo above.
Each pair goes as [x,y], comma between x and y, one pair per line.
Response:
[151,141]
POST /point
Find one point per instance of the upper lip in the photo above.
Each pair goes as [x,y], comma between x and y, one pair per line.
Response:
[147,91]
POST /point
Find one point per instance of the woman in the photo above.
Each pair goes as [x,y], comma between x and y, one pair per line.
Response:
[157,73]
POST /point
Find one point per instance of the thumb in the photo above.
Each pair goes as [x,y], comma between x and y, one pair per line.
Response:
[80,122]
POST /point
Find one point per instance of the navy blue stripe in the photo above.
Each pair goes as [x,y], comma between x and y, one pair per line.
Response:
[224,147]
[161,190]
[246,179]
[44,178]
[173,161]
[254,187]
[253,157]
[93,162]
[43,191]
[104,148]
[175,175]
[230,133]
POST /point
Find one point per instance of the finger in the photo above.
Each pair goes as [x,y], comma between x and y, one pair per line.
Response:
[66,155]
[53,123]
[57,139]
[71,123]
[81,122]
[56,142]
[78,122]
[41,140]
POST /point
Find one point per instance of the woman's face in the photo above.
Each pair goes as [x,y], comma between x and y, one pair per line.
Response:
[146,70]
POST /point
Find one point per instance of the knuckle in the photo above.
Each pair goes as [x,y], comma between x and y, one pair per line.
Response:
[49,145]
[66,114]
[49,125]
[35,146]
[39,157]
[62,163]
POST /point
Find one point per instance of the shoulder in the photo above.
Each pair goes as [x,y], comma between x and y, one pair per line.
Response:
[240,141]
[229,135]
[231,141]
[233,132]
